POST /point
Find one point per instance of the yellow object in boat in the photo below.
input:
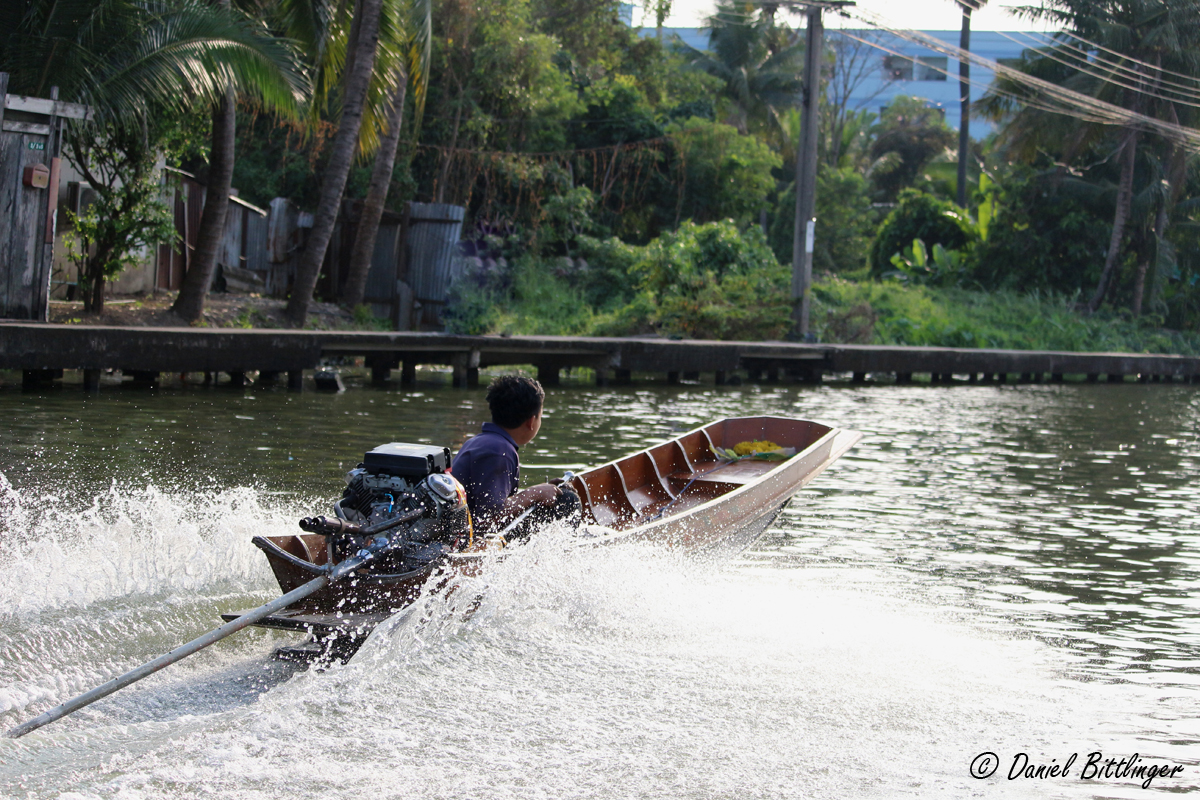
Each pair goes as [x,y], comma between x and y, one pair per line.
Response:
[749,448]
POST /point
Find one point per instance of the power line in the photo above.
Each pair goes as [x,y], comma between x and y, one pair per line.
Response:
[1098,110]
[988,86]
[1107,71]
[1102,48]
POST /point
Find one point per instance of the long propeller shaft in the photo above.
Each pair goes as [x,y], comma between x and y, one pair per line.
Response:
[183,651]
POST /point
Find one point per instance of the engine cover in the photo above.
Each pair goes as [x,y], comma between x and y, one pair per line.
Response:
[412,461]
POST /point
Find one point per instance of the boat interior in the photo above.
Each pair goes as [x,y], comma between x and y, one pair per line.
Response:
[672,477]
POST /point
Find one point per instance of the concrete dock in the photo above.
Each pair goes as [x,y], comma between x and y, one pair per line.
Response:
[42,351]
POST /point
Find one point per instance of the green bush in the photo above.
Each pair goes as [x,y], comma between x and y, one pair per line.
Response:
[471,309]
[1041,238]
[543,302]
[919,216]
[909,135]
[845,221]
[725,174]
[608,281]
[711,281]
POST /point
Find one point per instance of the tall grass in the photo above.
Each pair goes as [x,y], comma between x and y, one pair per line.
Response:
[535,299]
[893,313]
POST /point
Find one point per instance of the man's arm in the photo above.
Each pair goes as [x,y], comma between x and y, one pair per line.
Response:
[543,494]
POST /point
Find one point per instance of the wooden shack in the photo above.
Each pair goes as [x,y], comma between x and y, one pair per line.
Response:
[30,150]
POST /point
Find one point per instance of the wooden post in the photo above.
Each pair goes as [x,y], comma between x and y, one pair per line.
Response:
[402,302]
[91,380]
[380,373]
[458,371]
[381,367]
[296,380]
[408,372]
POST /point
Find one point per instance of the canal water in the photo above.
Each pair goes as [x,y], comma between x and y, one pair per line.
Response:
[993,570]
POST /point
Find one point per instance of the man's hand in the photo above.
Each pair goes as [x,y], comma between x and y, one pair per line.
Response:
[544,493]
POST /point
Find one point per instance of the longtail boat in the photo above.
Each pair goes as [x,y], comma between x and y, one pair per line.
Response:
[402,523]
[687,492]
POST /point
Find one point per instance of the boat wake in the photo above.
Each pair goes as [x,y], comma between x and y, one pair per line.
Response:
[89,590]
[557,671]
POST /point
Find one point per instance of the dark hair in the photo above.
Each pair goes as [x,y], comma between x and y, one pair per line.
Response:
[513,399]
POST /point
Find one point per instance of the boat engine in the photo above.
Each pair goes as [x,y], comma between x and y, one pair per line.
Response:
[405,484]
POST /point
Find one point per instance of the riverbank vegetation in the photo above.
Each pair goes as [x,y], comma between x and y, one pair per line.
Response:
[621,183]
[550,297]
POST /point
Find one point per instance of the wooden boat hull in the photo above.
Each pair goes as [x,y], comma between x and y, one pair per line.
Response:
[680,494]
[709,503]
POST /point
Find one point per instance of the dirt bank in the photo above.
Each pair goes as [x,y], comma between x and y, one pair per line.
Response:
[220,311]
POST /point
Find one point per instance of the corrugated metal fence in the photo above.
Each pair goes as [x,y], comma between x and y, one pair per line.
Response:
[411,271]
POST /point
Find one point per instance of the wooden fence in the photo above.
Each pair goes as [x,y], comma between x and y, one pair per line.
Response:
[412,267]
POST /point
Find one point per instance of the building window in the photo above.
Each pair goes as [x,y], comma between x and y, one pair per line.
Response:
[898,68]
[922,68]
[932,68]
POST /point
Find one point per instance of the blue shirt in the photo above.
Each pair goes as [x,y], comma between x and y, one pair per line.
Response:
[488,468]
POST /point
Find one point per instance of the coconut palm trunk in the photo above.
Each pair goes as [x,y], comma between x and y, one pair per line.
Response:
[333,183]
[1120,217]
[372,212]
[190,303]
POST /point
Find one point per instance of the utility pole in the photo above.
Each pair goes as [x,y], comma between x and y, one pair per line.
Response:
[964,98]
[806,168]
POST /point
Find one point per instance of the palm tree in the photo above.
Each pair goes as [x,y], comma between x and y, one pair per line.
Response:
[361,51]
[760,62]
[299,18]
[1126,53]
[136,63]
[415,39]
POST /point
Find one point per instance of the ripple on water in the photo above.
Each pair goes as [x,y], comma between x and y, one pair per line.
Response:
[990,569]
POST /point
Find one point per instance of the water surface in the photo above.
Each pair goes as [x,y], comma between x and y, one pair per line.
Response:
[1004,569]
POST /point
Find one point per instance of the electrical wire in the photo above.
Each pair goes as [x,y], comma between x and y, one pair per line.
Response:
[987,86]
[1073,103]
[1085,54]
[1103,49]
[1077,59]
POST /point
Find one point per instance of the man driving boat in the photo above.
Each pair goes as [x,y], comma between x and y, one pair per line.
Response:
[488,466]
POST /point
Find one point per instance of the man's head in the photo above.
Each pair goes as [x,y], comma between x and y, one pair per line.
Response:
[516,404]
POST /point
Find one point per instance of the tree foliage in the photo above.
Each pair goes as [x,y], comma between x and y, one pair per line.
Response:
[918,216]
